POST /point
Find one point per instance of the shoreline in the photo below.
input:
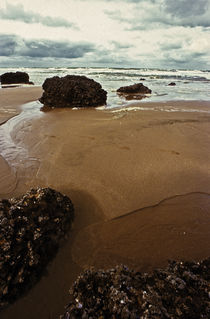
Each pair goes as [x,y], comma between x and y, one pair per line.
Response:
[154,165]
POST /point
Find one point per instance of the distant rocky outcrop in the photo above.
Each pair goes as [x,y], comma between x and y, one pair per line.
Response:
[134,89]
[30,232]
[172,84]
[72,91]
[134,92]
[15,78]
[179,291]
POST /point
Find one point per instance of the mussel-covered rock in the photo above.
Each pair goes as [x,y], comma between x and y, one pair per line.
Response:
[31,228]
[72,91]
[15,77]
[179,291]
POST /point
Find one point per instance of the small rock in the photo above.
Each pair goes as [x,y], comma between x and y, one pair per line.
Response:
[134,92]
[135,88]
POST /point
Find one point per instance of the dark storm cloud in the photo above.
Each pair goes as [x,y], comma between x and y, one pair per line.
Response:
[183,8]
[46,48]
[11,45]
[189,13]
[163,13]
[8,44]
[17,51]
[18,13]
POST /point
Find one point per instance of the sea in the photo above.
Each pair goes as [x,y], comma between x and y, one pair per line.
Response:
[191,85]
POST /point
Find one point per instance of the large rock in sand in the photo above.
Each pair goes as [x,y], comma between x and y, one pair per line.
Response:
[72,91]
[14,78]
[30,231]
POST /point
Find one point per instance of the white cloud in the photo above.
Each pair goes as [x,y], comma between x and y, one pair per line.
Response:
[18,13]
[133,32]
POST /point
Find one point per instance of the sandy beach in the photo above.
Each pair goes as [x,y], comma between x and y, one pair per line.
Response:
[139,180]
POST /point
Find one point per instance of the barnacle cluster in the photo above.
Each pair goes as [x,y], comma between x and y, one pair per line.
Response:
[31,228]
[182,290]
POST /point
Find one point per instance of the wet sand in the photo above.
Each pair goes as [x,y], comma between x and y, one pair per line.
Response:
[140,182]
[11,100]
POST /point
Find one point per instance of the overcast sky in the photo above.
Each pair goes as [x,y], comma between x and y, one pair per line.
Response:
[120,33]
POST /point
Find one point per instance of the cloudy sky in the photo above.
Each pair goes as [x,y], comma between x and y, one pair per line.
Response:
[120,33]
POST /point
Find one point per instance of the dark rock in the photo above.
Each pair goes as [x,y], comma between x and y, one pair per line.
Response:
[15,77]
[31,229]
[135,88]
[172,84]
[72,91]
[142,79]
[179,291]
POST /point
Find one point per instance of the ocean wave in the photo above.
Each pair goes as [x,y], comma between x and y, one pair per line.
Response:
[191,84]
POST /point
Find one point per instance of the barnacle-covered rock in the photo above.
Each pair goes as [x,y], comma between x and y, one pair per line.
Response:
[72,91]
[179,291]
[31,228]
